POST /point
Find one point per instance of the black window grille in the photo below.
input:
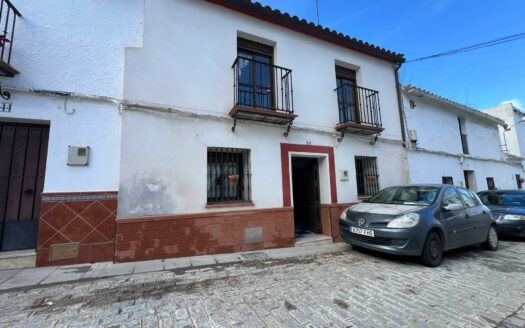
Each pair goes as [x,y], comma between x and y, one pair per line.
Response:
[447,180]
[228,175]
[366,175]
[490,183]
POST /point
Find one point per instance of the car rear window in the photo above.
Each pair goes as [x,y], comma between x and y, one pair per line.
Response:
[503,198]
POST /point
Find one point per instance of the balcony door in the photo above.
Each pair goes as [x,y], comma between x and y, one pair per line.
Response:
[254,74]
[346,95]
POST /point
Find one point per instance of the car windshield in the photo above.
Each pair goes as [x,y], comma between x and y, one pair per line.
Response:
[407,195]
[503,198]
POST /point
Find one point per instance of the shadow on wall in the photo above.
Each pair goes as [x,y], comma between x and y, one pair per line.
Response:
[146,193]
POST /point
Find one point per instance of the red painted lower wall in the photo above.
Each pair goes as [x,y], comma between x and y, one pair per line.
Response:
[330,214]
[157,237]
[84,218]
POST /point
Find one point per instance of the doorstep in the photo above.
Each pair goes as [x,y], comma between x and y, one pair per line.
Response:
[18,259]
[312,239]
[34,277]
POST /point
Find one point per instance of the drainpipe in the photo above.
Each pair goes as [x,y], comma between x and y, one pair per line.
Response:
[400,104]
[402,118]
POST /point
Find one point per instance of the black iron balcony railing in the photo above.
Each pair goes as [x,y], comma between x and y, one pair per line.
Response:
[262,86]
[8,15]
[358,105]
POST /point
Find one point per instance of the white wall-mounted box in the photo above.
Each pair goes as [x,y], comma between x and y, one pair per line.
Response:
[78,156]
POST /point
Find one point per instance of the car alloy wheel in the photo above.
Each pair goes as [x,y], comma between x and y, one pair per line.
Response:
[492,240]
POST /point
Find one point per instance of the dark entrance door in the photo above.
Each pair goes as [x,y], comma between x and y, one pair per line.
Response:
[305,180]
[23,153]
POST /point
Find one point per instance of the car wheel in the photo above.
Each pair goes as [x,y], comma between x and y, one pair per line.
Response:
[432,254]
[492,240]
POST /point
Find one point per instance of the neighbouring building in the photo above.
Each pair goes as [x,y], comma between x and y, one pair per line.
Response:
[513,136]
[62,63]
[456,144]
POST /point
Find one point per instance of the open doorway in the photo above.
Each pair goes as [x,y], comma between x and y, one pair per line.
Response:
[306,198]
[470,180]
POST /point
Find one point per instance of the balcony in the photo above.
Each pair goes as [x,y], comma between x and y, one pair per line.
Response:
[8,15]
[262,92]
[359,110]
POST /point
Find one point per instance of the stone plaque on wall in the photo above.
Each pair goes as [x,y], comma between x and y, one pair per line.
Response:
[63,251]
[253,235]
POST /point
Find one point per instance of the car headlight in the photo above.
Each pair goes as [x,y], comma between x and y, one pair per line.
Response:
[514,217]
[405,221]
[342,217]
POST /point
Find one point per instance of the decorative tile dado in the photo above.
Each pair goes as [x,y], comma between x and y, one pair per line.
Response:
[87,219]
[74,197]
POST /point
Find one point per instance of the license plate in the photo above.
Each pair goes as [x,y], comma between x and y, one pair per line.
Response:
[364,232]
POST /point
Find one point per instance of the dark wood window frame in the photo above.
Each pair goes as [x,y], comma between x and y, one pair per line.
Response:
[346,76]
[255,89]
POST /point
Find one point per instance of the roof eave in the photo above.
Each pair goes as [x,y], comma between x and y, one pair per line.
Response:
[302,26]
[479,114]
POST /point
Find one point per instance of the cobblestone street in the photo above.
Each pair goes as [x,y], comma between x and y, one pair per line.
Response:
[473,288]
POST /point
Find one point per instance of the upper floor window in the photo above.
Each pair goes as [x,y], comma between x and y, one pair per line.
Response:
[254,74]
[228,175]
[346,94]
[463,133]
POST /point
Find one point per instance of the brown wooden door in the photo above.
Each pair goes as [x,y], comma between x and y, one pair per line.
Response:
[305,179]
[23,153]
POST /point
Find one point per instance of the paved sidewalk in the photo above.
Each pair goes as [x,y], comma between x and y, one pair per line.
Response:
[19,278]
[300,287]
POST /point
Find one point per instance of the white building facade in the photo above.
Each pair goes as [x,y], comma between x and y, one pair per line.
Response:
[243,126]
[456,144]
[513,136]
[65,78]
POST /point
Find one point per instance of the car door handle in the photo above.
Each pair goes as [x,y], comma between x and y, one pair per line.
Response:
[466,216]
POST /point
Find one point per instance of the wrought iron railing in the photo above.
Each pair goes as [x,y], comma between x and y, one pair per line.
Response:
[262,86]
[8,15]
[358,105]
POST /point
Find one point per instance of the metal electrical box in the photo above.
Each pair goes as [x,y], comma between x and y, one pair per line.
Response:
[78,156]
[412,134]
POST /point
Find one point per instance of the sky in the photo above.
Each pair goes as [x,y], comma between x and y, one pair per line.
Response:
[416,28]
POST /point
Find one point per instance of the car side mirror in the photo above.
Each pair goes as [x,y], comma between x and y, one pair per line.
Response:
[453,207]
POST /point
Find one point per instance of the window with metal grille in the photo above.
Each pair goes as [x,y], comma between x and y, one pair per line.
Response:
[490,183]
[228,175]
[447,180]
[366,176]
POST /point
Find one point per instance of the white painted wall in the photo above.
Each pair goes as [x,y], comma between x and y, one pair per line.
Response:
[515,137]
[163,166]
[93,124]
[74,47]
[438,128]
[190,46]
[430,168]
[185,63]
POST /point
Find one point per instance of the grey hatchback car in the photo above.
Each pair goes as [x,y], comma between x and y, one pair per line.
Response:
[419,220]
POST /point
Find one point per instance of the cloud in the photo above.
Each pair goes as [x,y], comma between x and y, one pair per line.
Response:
[516,102]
